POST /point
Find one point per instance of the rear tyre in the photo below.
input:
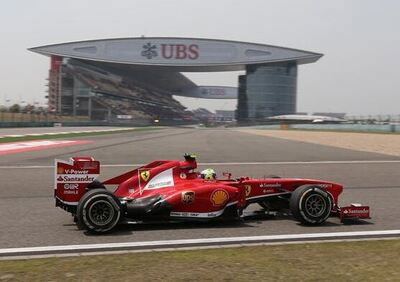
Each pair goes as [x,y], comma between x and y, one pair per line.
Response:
[310,205]
[98,211]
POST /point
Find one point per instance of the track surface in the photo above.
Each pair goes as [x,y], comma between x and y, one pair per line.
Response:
[29,218]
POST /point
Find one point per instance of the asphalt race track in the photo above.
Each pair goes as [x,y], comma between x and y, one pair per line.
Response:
[28,217]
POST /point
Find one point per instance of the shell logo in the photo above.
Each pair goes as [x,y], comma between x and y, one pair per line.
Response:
[219,197]
[60,170]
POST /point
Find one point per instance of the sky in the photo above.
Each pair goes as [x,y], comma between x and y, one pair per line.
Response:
[359,73]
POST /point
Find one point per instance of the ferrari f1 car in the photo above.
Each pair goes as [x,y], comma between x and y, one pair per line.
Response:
[173,191]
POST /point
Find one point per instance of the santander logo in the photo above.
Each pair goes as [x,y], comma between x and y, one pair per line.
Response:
[171,51]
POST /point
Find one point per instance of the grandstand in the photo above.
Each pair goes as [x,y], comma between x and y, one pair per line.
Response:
[104,94]
[136,78]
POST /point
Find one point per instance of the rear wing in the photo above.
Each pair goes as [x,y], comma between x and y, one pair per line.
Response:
[72,177]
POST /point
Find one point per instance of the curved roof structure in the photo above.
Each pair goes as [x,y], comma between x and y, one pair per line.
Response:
[179,54]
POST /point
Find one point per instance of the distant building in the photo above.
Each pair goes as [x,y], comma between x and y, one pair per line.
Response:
[138,77]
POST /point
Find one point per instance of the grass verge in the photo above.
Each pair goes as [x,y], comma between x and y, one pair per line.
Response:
[70,135]
[339,261]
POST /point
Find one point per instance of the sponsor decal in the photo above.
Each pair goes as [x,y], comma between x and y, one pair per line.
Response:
[149,51]
[71,186]
[159,184]
[71,189]
[219,197]
[88,178]
[198,214]
[247,189]
[186,214]
[145,175]
[171,51]
[75,171]
[265,191]
[269,185]
[183,175]
[188,197]
[325,185]
[180,51]
[161,180]
[60,170]
[352,211]
[213,91]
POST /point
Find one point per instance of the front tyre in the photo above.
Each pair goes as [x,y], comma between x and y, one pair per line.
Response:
[98,211]
[310,205]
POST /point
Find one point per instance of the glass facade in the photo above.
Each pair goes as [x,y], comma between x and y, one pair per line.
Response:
[267,90]
[242,113]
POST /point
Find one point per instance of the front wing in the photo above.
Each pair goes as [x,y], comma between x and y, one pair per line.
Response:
[354,211]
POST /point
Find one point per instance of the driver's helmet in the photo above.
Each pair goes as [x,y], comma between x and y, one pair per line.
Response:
[208,174]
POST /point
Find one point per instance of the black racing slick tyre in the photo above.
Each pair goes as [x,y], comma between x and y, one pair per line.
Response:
[310,205]
[98,211]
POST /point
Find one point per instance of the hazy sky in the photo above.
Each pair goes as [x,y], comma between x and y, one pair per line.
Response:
[359,74]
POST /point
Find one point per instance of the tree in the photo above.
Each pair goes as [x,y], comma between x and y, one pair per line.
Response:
[28,108]
[15,108]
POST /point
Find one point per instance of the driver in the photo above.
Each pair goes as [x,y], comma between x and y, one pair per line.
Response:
[208,174]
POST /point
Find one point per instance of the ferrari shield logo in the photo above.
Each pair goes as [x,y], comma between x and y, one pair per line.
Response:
[145,175]
[247,189]
[188,197]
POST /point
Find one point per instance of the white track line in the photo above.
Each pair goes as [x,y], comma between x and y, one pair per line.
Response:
[226,164]
[69,132]
[94,253]
[196,242]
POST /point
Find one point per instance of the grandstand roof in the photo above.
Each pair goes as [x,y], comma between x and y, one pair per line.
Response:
[181,54]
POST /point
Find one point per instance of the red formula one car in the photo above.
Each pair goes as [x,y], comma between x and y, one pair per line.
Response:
[173,190]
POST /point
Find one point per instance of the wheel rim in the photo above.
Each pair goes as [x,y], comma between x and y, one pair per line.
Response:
[315,205]
[101,212]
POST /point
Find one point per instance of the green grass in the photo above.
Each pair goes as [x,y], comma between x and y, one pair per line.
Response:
[343,261]
[69,135]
